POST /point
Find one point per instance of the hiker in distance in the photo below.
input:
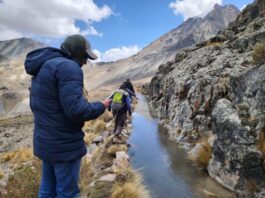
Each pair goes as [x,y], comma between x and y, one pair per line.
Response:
[130,88]
[120,105]
[60,110]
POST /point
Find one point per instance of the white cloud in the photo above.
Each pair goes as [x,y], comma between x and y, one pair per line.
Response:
[49,18]
[192,8]
[115,54]
[243,7]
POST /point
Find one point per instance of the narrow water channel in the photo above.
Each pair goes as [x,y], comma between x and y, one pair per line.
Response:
[166,171]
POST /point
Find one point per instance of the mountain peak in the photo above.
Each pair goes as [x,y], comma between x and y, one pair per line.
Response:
[19,46]
[217,6]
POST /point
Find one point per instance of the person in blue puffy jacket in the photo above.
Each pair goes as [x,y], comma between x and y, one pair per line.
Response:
[60,110]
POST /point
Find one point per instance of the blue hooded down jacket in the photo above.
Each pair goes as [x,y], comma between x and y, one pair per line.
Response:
[58,105]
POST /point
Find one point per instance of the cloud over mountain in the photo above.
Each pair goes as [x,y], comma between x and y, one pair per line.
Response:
[192,8]
[115,54]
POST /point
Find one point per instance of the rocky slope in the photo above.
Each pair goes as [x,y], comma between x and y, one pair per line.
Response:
[146,62]
[18,47]
[214,89]
[14,81]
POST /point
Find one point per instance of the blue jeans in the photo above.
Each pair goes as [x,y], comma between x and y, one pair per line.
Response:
[60,180]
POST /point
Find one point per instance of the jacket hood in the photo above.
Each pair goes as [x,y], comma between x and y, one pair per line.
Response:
[35,59]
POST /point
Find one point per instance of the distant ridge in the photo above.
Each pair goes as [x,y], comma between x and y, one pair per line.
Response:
[146,62]
[18,47]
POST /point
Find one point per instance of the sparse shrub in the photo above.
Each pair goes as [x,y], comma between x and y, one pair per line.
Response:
[108,141]
[24,182]
[94,126]
[99,126]
[203,155]
[17,157]
[107,116]
[129,185]
[259,53]
[89,137]
[261,142]
[86,173]
[89,126]
[178,130]
[113,149]
[1,174]
[128,190]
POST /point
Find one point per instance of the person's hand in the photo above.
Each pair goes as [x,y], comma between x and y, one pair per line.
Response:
[106,102]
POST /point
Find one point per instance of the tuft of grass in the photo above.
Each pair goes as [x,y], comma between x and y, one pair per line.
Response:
[113,149]
[95,126]
[106,117]
[24,182]
[203,155]
[1,174]
[17,157]
[251,185]
[261,142]
[129,190]
[89,137]
[100,126]
[129,185]
[259,53]
[86,174]
[108,141]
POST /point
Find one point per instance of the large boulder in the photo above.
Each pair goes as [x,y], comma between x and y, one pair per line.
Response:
[235,160]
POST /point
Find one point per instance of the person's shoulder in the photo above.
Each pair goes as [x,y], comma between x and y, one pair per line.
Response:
[67,64]
[69,69]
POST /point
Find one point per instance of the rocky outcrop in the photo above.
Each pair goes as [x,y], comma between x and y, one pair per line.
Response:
[215,88]
[235,160]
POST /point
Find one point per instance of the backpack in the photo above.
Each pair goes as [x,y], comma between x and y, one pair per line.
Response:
[118,100]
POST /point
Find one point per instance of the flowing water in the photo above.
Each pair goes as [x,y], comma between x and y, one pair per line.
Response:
[166,171]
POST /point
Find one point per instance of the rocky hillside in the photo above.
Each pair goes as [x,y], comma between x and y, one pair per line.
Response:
[216,90]
[14,82]
[146,62]
[18,47]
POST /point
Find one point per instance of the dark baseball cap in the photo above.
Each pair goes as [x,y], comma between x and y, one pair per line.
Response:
[78,47]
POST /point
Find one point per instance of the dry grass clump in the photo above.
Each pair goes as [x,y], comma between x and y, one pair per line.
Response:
[113,149]
[107,116]
[261,142]
[86,174]
[203,155]
[100,126]
[259,53]
[108,141]
[101,157]
[129,190]
[17,157]
[129,185]
[24,182]
[95,126]
[89,138]
[1,174]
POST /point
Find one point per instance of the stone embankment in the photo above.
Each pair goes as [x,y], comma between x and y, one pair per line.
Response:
[214,92]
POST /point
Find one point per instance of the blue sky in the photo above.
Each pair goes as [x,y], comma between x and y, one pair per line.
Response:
[115,28]
[139,22]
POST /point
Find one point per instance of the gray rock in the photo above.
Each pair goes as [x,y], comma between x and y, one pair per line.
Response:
[216,87]
[98,139]
[108,178]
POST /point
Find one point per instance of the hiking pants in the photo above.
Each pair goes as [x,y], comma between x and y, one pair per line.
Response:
[120,119]
[60,180]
